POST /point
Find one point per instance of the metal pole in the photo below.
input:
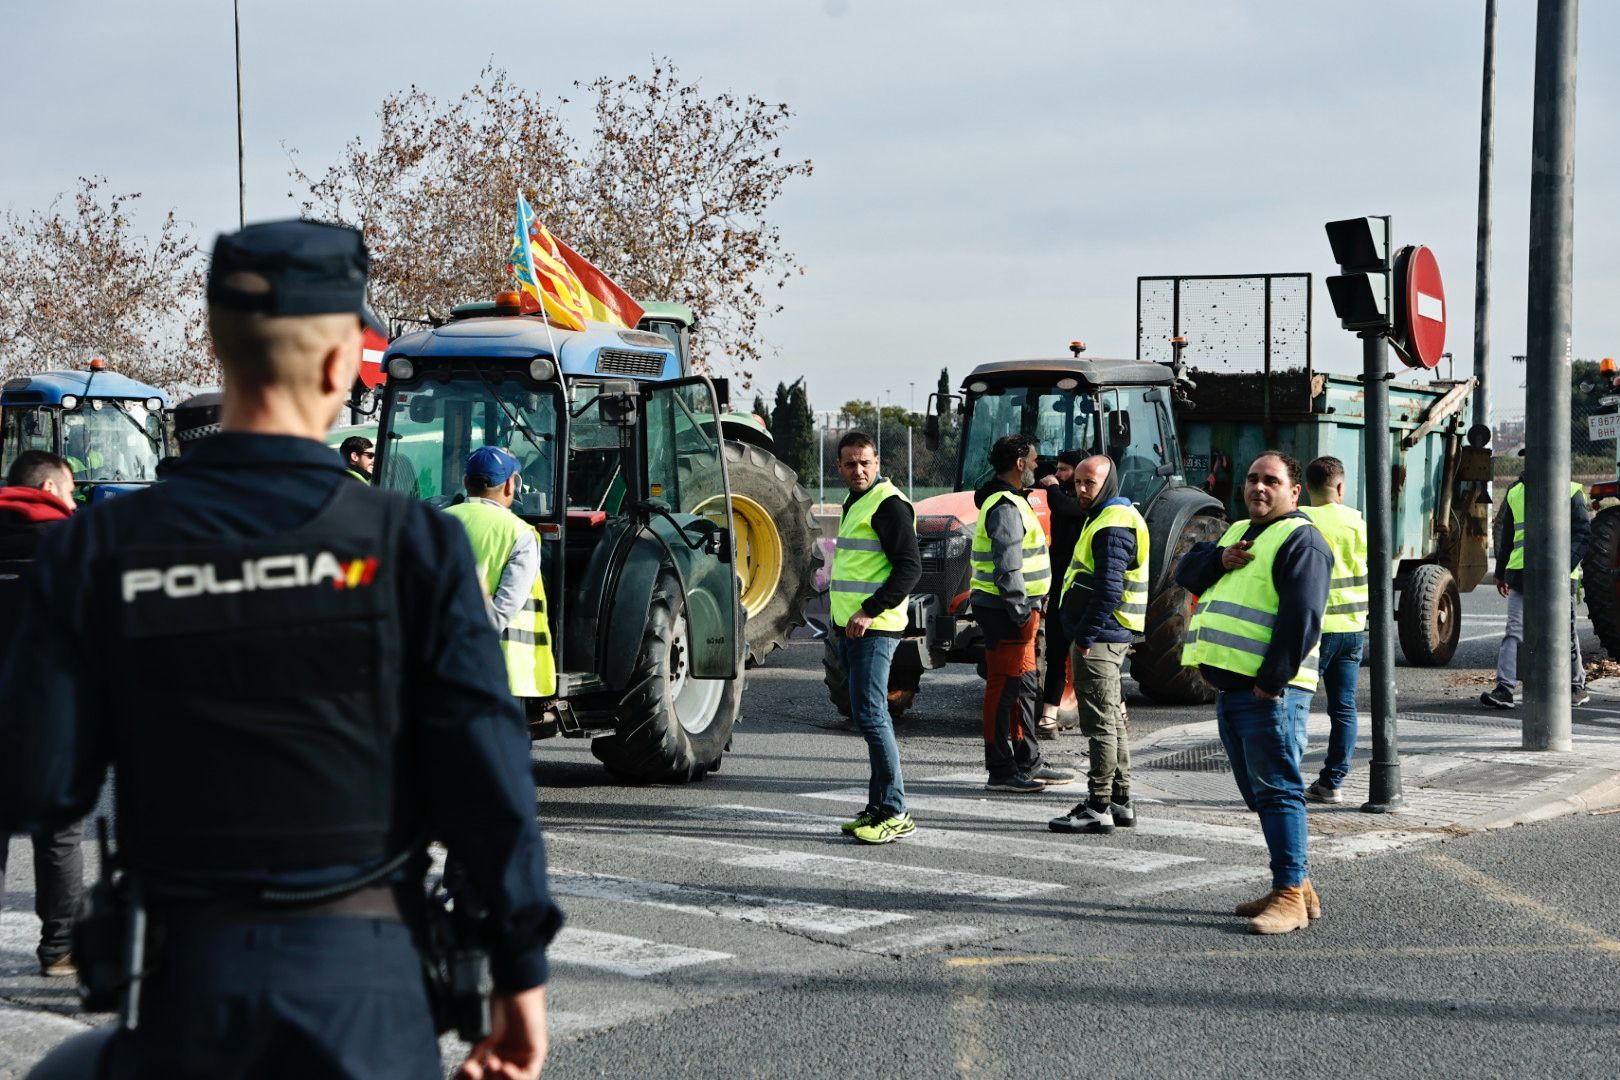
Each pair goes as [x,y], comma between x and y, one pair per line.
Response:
[1547,476]
[911,491]
[821,465]
[241,176]
[1482,244]
[1384,775]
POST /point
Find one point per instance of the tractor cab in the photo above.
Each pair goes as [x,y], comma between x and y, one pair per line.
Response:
[625,481]
[112,430]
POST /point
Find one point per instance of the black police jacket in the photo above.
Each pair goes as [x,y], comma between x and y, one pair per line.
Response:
[290,674]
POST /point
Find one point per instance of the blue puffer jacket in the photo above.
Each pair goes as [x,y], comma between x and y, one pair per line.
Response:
[1112,552]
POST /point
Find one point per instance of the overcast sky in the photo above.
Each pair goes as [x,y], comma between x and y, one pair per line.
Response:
[990,179]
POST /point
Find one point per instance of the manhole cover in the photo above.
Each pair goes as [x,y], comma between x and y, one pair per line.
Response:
[1490,777]
[1201,757]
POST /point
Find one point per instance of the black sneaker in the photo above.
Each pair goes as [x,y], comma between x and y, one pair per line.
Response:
[1051,777]
[1499,698]
[1319,792]
[1017,783]
[1123,813]
[1084,818]
[1578,697]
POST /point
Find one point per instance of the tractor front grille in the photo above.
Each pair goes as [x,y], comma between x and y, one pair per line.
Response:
[943,575]
[636,364]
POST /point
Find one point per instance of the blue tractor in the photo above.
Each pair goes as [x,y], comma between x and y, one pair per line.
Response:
[624,475]
[113,430]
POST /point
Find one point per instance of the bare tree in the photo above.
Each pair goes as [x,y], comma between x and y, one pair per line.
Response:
[670,197]
[80,283]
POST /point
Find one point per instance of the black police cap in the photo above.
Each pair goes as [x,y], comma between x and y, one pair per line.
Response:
[290,268]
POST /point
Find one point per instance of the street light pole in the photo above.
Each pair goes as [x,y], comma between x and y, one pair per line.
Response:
[1482,245]
[1384,774]
[1547,596]
[241,176]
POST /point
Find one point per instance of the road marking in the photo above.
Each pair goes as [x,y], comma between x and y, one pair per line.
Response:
[873,872]
[777,912]
[916,941]
[1499,891]
[622,955]
[1032,809]
[1207,879]
[1390,951]
[1069,851]
[1368,843]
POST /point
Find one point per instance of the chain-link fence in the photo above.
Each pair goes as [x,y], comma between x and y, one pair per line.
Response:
[1257,322]
[903,454]
[1592,446]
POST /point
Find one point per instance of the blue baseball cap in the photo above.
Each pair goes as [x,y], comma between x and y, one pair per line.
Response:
[492,464]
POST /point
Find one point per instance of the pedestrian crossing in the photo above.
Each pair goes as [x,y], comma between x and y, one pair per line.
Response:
[719,895]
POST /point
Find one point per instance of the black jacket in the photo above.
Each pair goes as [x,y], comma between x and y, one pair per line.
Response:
[1580,535]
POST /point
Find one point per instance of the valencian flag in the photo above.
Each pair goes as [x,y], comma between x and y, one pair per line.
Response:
[554,274]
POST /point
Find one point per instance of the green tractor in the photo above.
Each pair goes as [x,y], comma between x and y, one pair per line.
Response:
[624,475]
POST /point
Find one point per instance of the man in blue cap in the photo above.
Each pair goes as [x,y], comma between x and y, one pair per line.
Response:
[274,794]
[507,551]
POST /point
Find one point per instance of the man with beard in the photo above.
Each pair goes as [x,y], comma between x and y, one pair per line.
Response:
[1104,605]
[1012,570]
[1262,591]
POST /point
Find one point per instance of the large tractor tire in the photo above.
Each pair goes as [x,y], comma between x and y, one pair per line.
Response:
[671,728]
[1156,661]
[775,528]
[1601,571]
[1429,621]
[904,681]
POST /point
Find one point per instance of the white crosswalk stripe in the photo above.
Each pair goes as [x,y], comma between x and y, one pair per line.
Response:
[1031,808]
[884,876]
[623,955]
[772,911]
[956,840]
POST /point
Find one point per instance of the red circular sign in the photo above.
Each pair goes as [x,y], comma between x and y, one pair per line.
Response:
[1424,307]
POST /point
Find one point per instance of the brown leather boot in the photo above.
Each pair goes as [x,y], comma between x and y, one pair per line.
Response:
[1284,912]
[1313,906]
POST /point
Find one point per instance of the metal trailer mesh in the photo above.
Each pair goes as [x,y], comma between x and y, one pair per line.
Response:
[1251,323]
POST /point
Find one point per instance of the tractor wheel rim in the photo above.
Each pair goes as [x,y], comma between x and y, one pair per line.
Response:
[694,699]
[757,544]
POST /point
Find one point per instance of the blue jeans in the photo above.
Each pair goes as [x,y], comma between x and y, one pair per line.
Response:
[1264,741]
[866,662]
[1340,667]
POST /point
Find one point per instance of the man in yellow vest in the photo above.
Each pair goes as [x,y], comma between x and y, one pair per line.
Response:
[507,551]
[1261,594]
[1012,571]
[875,567]
[1510,530]
[1344,624]
[1103,608]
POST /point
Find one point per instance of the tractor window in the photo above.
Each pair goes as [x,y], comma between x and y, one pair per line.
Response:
[1057,420]
[108,441]
[1140,459]
[27,429]
[595,456]
[434,426]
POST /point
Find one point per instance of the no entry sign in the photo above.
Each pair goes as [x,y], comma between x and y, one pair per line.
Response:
[1421,310]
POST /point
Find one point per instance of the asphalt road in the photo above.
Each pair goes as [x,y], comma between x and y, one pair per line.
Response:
[727,928]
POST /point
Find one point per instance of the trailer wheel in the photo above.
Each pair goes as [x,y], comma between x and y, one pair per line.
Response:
[1430,618]
[1601,569]
[672,728]
[1156,660]
[904,681]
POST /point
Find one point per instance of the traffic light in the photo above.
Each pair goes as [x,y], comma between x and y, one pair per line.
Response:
[1361,290]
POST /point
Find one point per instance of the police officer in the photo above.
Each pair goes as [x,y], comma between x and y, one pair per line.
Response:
[1104,606]
[1261,593]
[875,567]
[507,551]
[200,636]
[1344,623]
[1510,529]
[1012,570]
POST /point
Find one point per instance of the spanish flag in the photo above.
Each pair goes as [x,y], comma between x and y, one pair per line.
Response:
[555,275]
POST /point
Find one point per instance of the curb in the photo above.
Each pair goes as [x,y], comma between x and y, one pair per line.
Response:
[1589,789]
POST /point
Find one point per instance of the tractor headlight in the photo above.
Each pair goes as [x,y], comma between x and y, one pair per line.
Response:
[401,368]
